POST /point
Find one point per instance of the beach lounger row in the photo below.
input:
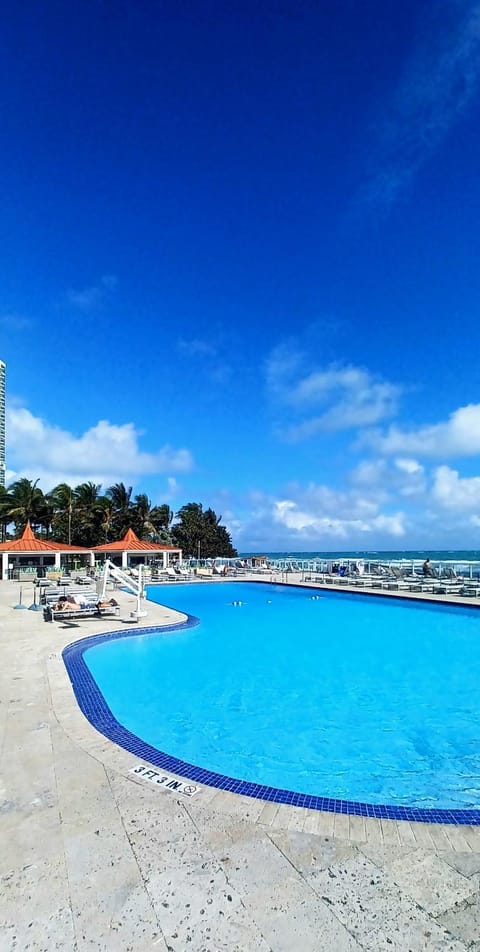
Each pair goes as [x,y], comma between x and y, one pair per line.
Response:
[400,583]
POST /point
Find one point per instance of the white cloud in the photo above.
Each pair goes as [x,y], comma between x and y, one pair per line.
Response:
[105,453]
[408,466]
[313,516]
[451,491]
[458,436]
[332,398]
[370,473]
[405,477]
[438,85]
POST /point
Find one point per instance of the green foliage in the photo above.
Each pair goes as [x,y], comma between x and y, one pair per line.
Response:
[26,504]
[84,517]
[200,535]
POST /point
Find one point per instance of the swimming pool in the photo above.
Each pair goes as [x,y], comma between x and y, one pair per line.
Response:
[350,702]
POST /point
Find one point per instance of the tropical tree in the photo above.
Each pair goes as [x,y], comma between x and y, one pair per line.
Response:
[84,517]
[141,521]
[26,503]
[88,509]
[120,497]
[63,500]
[5,506]
[200,535]
[161,518]
[106,520]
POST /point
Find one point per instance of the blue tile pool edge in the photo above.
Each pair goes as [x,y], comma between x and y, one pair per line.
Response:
[93,705]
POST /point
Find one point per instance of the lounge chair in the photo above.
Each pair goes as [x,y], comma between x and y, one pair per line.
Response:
[71,606]
[183,573]
[170,572]
[51,596]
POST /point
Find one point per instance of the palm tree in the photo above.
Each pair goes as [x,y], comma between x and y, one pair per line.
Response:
[161,518]
[141,516]
[5,506]
[62,497]
[120,498]
[27,501]
[89,514]
[107,518]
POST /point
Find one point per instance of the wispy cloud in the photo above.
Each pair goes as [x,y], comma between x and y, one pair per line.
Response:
[105,453]
[92,297]
[15,322]
[322,399]
[209,356]
[196,347]
[438,86]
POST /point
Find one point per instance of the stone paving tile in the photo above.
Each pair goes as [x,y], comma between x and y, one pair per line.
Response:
[194,900]
[111,907]
[360,895]
[382,855]
[463,921]
[431,882]
[268,813]
[36,909]
[341,826]
[406,835]
[457,839]
[31,836]
[195,903]
[308,853]
[358,832]
[465,863]
[423,836]
[412,931]
[285,909]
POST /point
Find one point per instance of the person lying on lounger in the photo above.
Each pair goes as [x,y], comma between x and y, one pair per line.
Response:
[66,603]
[111,603]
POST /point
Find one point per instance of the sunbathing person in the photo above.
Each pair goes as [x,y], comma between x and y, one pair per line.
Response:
[111,603]
[66,603]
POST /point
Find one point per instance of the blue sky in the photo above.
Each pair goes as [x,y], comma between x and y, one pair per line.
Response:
[239,261]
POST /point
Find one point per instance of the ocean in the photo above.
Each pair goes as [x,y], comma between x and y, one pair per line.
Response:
[436,555]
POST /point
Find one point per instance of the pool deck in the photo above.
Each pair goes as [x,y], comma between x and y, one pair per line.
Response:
[95,858]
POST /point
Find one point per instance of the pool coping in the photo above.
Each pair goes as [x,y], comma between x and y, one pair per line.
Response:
[94,707]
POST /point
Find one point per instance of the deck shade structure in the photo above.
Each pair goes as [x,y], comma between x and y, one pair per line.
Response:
[132,551]
[29,552]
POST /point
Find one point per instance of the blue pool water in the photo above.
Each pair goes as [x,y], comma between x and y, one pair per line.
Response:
[350,697]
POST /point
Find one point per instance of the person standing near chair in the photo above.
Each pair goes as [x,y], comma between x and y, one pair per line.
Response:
[427,569]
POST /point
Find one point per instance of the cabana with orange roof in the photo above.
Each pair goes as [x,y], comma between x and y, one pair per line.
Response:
[30,553]
[131,551]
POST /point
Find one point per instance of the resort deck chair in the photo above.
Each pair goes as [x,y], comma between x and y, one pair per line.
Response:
[170,573]
[447,588]
[52,595]
[183,573]
[472,591]
[68,608]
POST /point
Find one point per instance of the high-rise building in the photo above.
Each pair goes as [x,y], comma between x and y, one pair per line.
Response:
[2,423]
